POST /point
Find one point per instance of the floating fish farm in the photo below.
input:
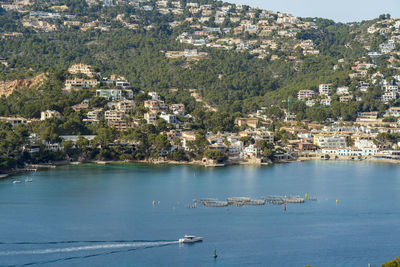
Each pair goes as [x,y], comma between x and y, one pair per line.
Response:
[247,201]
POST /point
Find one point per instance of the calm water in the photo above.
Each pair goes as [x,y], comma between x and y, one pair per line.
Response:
[47,221]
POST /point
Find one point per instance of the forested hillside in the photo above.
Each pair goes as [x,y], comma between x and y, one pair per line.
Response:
[130,40]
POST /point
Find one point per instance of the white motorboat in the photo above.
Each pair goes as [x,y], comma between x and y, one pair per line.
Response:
[190,239]
[28,180]
[16,182]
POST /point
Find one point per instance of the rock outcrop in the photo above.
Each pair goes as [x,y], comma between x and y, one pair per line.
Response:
[7,87]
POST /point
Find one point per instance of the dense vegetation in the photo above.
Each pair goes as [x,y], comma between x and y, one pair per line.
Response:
[231,81]
[236,83]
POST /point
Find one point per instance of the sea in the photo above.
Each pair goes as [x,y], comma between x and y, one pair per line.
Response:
[134,214]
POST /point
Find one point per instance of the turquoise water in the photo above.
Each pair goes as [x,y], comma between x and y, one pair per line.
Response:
[103,216]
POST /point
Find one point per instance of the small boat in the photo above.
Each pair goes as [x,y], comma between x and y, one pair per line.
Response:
[28,180]
[16,182]
[190,239]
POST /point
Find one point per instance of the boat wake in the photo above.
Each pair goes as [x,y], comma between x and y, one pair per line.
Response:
[122,245]
[79,241]
[102,250]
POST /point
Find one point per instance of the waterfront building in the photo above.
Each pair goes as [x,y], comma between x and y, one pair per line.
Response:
[251,151]
[306,146]
[187,136]
[219,147]
[326,141]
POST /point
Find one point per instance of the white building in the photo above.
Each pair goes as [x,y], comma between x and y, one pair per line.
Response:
[251,151]
[154,96]
[112,94]
[343,152]
[388,96]
[235,149]
[342,90]
[393,111]
[325,89]
[170,118]
[330,141]
[364,143]
[391,88]
[47,114]
[325,102]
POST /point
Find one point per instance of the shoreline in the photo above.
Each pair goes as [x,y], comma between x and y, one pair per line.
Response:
[35,167]
[349,158]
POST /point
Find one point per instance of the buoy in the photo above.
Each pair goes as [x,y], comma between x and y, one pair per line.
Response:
[284,207]
[154,202]
[306,195]
[215,254]
[337,201]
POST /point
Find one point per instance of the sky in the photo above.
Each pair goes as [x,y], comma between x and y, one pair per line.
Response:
[337,10]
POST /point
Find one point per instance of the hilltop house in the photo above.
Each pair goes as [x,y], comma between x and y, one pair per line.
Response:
[47,114]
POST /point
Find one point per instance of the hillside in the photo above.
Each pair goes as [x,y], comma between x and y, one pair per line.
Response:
[8,87]
[255,57]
